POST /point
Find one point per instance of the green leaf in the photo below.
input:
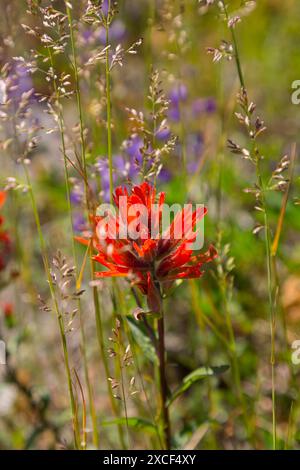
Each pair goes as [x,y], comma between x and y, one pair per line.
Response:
[195,376]
[139,424]
[142,339]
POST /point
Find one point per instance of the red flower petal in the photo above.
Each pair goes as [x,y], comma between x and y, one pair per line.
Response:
[2,198]
[110,274]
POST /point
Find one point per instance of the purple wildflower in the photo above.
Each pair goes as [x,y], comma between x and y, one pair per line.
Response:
[77,194]
[164,175]
[177,95]
[79,222]
[174,113]
[194,150]
[204,105]
[105,6]
[122,170]
[117,32]
[19,81]
[103,169]
[163,134]
[87,36]
[75,198]
[133,148]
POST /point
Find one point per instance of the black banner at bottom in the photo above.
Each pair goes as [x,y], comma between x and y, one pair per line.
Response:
[136,459]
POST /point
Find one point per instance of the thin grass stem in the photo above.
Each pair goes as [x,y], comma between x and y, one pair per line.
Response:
[57,310]
[68,194]
[267,238]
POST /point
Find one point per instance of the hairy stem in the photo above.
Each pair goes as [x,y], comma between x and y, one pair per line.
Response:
[161,352]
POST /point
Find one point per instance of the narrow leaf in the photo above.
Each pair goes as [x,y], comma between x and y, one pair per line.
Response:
[137,423]
[195,376]
[142,339]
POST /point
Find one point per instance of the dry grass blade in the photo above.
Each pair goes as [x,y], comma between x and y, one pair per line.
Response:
[284,201]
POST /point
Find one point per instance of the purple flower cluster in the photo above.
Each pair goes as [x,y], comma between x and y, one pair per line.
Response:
[180,108]
[125,166]
[17,82]
[194,150]
[179,95]
[20,81]
[117,32]
[203,105]
[76,199]
[133,150]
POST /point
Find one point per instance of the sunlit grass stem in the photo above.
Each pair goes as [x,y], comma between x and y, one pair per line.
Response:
[57,310]
[267,239]
[100,337]
[68,193]
[83,152]
[78,96]
[108,117]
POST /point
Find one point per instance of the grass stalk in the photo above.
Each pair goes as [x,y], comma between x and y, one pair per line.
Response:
[108,115]
[57,310]
[163,385]
[78,95]
[83,154]
[267,240]
[111,183]
[100,337]
[68,193]
[272,316]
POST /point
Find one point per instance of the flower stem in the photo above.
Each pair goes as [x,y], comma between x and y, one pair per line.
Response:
[161,352]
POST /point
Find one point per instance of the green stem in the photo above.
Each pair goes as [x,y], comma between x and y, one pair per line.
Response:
[95,292]
[78,98]
[108,117]
[235,366]
[121,365]
[110,164]
[68,192]
[267,237]
[92,409]
[161,352]
[235,46]
[57,310]
[135,355]
[100,337]
[271,302]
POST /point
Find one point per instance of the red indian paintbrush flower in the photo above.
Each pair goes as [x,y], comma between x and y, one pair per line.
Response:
[5,242]
[152,263]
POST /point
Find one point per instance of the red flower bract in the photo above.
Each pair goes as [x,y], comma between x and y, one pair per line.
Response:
[152,264]
[5,242]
